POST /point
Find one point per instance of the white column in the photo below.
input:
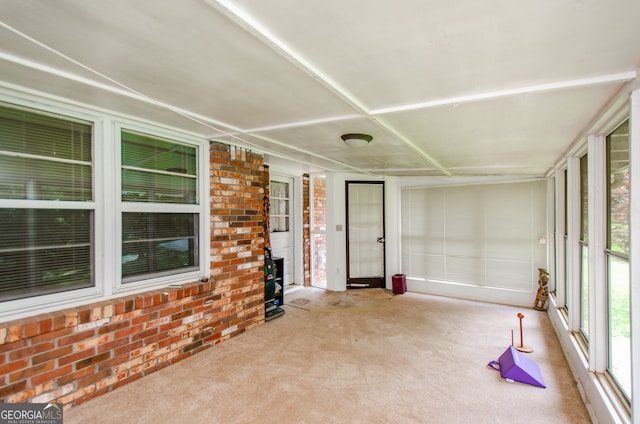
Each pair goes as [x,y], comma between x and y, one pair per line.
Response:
[597,243]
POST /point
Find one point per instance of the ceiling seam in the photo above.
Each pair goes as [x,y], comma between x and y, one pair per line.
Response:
[252,26]
[125,90]
[559,85]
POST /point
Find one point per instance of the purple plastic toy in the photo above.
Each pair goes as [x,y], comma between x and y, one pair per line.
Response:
[515,366]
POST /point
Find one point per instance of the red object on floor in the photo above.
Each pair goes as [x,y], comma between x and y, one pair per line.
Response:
[399,282]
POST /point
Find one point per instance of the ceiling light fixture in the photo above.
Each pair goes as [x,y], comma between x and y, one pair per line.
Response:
[356,140]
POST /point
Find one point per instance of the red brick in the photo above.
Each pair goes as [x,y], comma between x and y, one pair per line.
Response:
[170,311]
[51,375]
[8,347]
[94,378]
[15,331]
[52,354]
[104,347]
[144,334]
[74,338]
[13,366]
[127,332]
[92,360]
[30,329]
[52,335]
[46,325]
[169,341]
[71,318]
[140,319]
[128,348]
[117,325]
[34,370]
[59,321]
[84,316]
[118,308]
[29,351]
[116,360]
[12,389]
[74,376]
[78,356]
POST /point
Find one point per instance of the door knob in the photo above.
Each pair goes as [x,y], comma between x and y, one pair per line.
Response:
[380,239]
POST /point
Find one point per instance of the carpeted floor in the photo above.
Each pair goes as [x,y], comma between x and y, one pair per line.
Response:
[368,294]
[331,359]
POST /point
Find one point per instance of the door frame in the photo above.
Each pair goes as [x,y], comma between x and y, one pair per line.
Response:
[366,282]
[290,261]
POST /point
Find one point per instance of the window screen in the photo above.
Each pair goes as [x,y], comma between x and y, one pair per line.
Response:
[45,246]
[155,241]
[157,170]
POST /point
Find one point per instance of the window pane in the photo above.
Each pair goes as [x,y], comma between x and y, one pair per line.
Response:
[38,134]
[584,291]
[618,189]
[619,312]
[44,157]
[584,247]
[44,251]
[157,244]
[279,206]
[584,199]
[158,171]
[37,179]
[619,323]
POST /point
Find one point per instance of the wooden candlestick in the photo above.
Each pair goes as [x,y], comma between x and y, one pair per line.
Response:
[522,347]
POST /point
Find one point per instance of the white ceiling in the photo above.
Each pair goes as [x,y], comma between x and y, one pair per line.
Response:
[493,87]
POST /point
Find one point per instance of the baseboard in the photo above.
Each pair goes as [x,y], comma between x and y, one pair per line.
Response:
[472,292]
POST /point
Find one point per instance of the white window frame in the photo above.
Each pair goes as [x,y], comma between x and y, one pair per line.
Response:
[107,206]
[120,207]
[589,362]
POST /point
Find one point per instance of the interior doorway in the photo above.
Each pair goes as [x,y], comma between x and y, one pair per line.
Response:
[281,223]
[318,188]
[365,234]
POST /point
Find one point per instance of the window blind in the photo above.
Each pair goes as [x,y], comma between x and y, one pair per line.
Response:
[155,242]
[44,249]
[483,235]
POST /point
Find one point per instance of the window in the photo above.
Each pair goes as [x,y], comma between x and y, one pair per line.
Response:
[88,212]
[159,207]
[584,247]
[47,217]
[617,253]
[279,206]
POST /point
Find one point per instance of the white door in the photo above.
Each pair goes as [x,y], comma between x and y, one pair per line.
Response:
[365,234]
[281,223]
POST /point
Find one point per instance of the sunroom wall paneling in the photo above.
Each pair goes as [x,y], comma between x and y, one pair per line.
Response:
[486,236]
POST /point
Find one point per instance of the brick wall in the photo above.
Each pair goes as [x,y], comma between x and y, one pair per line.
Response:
[74,355]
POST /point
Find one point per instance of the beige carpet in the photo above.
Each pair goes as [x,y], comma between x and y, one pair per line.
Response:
[410,359]
[368,294]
